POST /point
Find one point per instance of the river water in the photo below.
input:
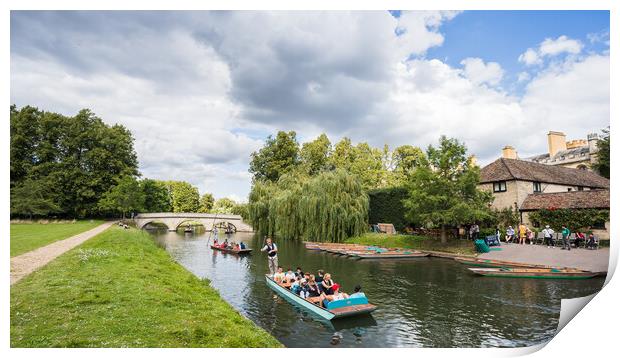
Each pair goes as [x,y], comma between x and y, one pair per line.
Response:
[427,302]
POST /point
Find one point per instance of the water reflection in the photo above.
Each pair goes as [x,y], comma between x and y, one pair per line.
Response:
[425,302]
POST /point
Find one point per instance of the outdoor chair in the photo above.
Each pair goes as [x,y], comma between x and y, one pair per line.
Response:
[540,238]
[571,239]
[557,239]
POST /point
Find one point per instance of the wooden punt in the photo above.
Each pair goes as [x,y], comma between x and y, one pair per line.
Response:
[342,308]
[478,262]
[392,255]
[231,251]
[547,273]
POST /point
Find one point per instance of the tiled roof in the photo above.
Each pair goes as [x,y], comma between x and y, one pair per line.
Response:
[587,199]
[579,152]
[515,169]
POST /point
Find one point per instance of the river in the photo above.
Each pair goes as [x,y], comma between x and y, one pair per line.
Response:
[426,302]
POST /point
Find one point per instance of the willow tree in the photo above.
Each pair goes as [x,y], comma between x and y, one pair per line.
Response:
[331,206]
[334,207]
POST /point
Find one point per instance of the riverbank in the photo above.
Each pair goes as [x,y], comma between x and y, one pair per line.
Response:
[458,247]
[27,236]
[120,289]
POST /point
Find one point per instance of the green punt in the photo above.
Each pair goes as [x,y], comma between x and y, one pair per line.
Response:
[336,309]
[565,274]
[479,262]
[391,255]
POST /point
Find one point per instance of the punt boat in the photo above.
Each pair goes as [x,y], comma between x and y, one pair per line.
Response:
[232,251]
[548,273]
[478,262]
[391,255]
[336,309]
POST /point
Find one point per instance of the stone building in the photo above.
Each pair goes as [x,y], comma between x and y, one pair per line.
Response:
[525,186]
[578,153]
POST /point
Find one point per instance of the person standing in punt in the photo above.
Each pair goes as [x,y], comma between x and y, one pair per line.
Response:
[272,255]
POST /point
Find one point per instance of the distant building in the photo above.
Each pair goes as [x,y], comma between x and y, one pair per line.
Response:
[578,153]
[526,186]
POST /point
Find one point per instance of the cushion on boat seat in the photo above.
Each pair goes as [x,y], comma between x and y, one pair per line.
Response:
[347,302]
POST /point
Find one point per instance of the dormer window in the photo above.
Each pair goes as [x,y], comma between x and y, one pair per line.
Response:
[537,187]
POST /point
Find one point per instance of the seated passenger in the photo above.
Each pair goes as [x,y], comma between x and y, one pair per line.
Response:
[290,275]
[242,246]
[313,288]
[326,285]
[335,297]
[279,275]
[357,292]
[299,273]
[304,292]
[295,286]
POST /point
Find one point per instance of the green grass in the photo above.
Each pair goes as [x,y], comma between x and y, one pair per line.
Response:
[27,237]
[119,289]
[464,247]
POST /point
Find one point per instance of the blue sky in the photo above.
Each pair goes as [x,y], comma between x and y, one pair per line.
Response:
[201,90]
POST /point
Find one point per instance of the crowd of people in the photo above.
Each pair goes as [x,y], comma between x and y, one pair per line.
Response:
[320,289]
[524,234]
[229,245]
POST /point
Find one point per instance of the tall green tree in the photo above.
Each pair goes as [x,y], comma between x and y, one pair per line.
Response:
[79,157]
[206,203]
[363,161]
[32,198]
[126,196]
[185,197]
[315,155]
[405,159]
[224,206]
[279,155]
[603,155]
[443,191]
[157,198]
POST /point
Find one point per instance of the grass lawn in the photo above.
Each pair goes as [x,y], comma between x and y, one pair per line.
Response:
[414,242]
[27,237]
[119,289]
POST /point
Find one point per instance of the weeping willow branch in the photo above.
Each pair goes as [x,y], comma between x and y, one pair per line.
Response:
[331,206]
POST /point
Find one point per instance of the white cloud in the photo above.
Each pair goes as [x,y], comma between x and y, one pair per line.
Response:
[523,76]
[479,72]
[530,57]
[562,44]
[549,48]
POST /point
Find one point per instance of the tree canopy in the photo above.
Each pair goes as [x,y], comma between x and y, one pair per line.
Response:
[126,196]
[278,156]
[603,155]
[206,203]
[76,159]
[184,196]
[443,191]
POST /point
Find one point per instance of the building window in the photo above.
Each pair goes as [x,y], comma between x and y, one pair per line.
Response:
[579,188]
[582,167]
[570,189]
[499,186]
[537,187]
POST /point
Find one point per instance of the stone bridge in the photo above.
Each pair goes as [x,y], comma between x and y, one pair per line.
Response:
[173,220]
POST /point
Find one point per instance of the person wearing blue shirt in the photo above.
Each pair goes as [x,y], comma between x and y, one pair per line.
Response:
[357,292]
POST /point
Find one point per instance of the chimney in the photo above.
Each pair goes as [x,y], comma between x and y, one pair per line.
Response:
[557,142]
[593,142]
[509,152]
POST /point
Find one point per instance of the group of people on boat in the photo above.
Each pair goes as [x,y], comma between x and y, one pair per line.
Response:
[229,245]
[319,289]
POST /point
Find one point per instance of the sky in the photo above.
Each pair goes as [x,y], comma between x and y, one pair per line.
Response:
[201,90]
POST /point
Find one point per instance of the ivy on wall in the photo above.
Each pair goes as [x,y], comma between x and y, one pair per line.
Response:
[574,219]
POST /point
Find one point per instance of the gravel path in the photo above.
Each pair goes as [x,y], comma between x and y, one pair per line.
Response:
[25,264]
[590,260]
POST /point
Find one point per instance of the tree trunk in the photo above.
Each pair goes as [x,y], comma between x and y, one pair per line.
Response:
[444,234]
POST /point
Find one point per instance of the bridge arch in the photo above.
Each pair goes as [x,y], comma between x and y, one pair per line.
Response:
[173,220]
[145,223]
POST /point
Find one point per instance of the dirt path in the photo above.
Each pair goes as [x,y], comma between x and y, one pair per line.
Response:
[25,264]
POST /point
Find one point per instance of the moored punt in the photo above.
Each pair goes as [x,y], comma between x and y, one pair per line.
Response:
[391,255]
[548,273]
[334,310]
[232,251]
[474,261]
